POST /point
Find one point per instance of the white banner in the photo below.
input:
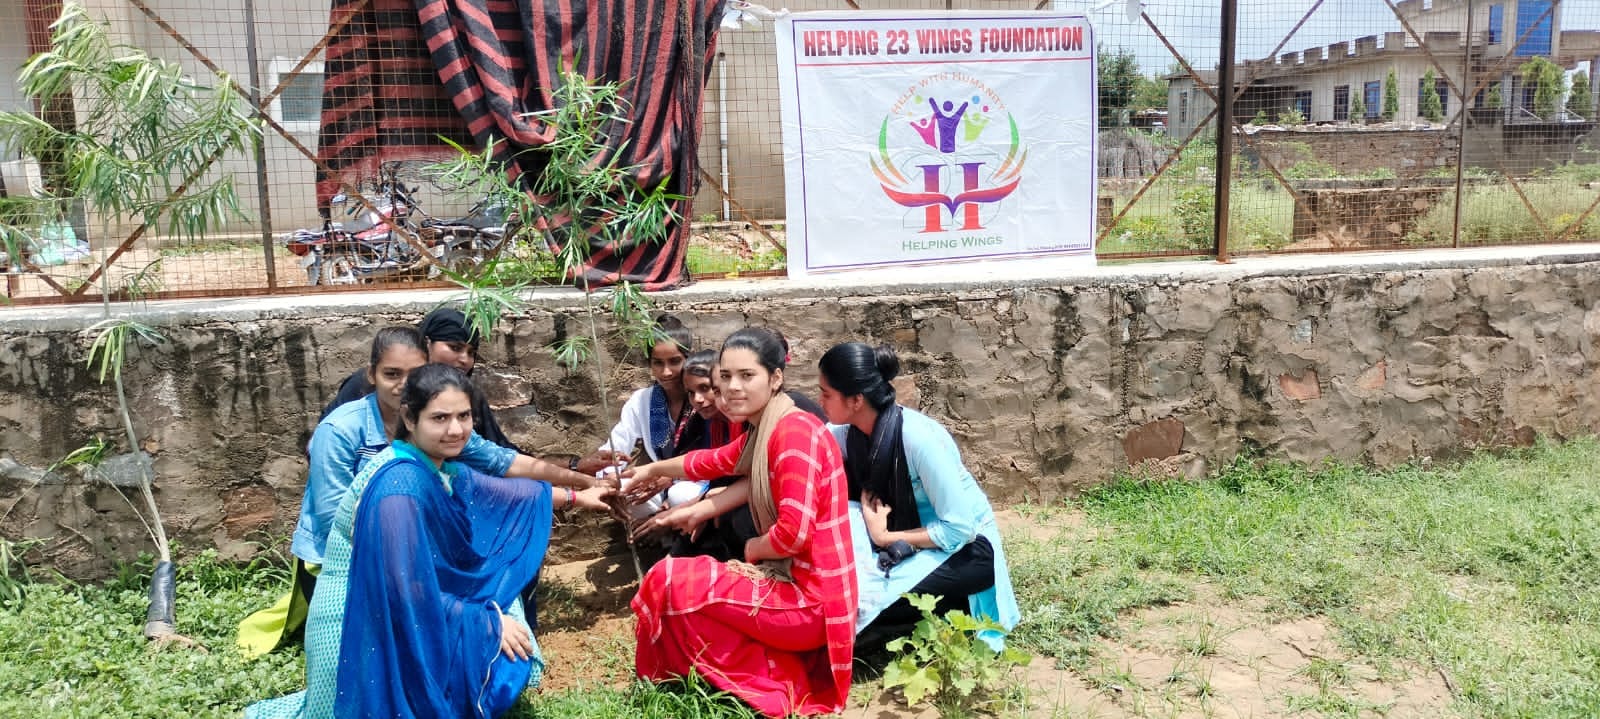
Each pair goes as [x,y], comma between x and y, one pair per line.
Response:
[936,137]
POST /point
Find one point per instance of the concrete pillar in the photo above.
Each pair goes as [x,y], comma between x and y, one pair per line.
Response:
[1594,86]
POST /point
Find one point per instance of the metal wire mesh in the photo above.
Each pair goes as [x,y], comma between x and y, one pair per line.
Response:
[1366,136]
[1359,124]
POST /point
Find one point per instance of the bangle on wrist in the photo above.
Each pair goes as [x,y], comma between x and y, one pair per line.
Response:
[572,498]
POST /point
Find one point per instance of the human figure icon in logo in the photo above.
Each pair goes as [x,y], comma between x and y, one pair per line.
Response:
[925,128]
[949,119]
[973,124]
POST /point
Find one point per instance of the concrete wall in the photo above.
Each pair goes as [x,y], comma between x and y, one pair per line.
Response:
[13,54]
[1049,380]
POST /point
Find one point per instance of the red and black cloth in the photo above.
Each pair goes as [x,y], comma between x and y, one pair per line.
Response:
[403,73]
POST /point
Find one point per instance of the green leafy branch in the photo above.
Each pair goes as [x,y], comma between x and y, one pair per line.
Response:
[583,198]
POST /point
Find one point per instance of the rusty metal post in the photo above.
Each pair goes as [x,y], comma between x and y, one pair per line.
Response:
[262,200]
[1461,133]
[1230,29]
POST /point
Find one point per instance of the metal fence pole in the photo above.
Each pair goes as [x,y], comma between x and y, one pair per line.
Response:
[1461,132]
[263,202]
[1230,30]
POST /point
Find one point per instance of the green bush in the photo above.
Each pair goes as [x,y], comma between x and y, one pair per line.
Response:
[1255,231]
[1195,209]
[1578,173]
[1200,157]
[1145,233]
[1310,170]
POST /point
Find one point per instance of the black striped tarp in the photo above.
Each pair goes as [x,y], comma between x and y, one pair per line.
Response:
[403,73]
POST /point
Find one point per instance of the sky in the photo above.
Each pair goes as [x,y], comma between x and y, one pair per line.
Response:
[1192,26]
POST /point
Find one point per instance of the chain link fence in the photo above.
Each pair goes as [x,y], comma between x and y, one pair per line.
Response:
[1356,125]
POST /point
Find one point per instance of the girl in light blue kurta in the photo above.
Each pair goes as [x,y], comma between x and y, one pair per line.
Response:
[919,521]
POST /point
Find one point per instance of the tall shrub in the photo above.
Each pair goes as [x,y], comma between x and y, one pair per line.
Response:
[1391,96]
[1431,109]
[1548,81]
[1579,99]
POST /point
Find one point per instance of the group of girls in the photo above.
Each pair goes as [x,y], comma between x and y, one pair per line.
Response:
[794,533]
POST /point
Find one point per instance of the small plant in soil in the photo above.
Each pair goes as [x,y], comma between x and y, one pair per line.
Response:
[944,660]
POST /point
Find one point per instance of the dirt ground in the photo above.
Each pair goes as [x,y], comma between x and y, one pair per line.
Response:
[1209,657]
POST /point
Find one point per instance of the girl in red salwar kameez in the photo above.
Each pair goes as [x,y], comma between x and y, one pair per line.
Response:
[776,630]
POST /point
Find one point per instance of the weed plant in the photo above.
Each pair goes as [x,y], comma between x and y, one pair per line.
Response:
[945,662]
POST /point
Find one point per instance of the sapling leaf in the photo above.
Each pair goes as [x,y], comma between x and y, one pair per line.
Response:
[923,602]
[920,683]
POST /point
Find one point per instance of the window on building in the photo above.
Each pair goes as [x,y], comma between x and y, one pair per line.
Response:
[1302,102]
[299,106]
[1533,27]
[1371,96]
[1497,19]
[1341,103]
[1183,108]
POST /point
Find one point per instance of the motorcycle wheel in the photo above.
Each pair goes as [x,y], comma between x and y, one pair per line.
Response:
[339,269]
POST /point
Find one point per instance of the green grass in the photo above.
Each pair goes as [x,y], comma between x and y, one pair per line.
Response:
[689,699]
[76,651]
[1494,213]
[71,651]
[708,261]
[1486,572]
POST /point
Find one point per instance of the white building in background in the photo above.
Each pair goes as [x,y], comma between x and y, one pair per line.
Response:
[1322,82]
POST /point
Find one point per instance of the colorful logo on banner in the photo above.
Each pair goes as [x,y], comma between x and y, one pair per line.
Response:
[939,149]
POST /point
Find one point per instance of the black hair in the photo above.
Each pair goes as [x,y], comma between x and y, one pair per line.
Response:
[427,382]
[764,343]
[700,363]
[670,329]
[396,335]
[855,368]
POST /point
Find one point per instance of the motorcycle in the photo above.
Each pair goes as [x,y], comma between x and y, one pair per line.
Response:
[365,249]
[461,244]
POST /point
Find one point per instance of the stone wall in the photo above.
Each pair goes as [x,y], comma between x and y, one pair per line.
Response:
[1049,384]
[1518,149]
[1356,152]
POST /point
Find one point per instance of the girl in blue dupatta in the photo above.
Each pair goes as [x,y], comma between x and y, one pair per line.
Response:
[416,612]
[919,521]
